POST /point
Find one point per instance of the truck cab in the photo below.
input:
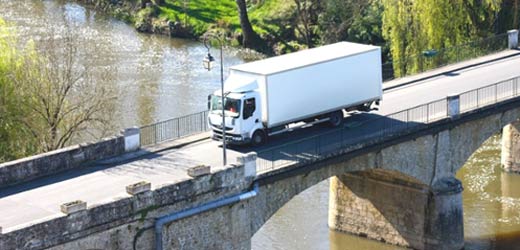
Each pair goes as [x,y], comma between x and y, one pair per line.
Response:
[243,117]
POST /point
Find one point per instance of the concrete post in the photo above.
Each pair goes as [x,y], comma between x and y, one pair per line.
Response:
[510,157]
[453,106]
[513,39]
[398,211]
[249,162]
[132,139]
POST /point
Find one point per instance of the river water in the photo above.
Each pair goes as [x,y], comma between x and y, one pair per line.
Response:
[158,78]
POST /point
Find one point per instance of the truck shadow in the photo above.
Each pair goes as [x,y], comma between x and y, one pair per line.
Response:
[312,143]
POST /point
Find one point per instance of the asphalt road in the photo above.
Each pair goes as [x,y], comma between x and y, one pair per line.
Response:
[40,200]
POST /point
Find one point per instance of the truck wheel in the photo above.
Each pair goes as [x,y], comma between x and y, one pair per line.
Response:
[258,138]
[335,118]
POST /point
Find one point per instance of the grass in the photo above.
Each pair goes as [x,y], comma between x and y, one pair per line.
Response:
[271,16]
[202,15]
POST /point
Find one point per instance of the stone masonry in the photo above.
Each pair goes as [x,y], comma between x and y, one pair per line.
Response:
[510,157]
[128,223]
[382,206]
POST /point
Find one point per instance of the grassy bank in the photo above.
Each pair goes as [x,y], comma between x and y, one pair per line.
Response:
[271,19]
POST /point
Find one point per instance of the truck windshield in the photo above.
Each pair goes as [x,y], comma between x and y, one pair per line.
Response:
[231,106]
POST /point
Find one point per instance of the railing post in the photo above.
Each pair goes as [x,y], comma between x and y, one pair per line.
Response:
[179,127]
[513,39]
[155,134]
[515,87]
[478,102]
[407,119]
[496,93]
[132,139]
[427,113]
[202,122]
[453,106]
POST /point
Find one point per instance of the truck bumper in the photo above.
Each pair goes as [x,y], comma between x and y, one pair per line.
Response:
[233,139]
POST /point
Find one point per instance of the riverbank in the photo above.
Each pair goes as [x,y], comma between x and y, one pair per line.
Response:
[273,20]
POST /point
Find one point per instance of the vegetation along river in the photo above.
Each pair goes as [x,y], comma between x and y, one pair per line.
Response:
[157,78]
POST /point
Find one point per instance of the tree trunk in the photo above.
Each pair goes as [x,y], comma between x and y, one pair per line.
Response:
[515,15]
[144,2]
[250,38]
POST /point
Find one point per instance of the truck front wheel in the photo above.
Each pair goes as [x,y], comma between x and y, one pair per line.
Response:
[335,118]
[258,138]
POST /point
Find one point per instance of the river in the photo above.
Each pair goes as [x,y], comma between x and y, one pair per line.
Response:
[157,78]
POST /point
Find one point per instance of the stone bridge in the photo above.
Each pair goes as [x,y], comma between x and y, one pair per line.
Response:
[395,184]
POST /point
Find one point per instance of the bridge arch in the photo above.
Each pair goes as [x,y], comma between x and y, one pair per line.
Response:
[427,162]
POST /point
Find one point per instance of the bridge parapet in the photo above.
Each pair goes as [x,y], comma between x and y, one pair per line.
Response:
[131,212]
[46,164]
[513,39]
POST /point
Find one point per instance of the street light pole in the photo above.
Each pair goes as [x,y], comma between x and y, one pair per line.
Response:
[208,62]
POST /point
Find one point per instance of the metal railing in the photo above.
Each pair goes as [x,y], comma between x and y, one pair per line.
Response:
[431,59]
[374,129]
[174,128]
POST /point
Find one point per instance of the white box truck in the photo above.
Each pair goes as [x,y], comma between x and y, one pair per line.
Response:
[279,94]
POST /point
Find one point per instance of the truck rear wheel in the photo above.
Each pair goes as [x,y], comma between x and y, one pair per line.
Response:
[336,118]
[258,138]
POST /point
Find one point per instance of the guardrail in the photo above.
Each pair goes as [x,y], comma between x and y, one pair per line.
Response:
[378,128]
[174,128]
[431,59]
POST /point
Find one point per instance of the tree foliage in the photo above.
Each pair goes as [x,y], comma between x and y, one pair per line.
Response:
[48,98]
[13,65]
[413,26]
[306,24]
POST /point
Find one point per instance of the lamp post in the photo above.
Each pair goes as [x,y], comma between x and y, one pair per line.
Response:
[208,64]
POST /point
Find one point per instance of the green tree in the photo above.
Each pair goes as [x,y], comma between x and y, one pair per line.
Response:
[338,17]
[306,20]
[15,139]
[49,99]
[413,26]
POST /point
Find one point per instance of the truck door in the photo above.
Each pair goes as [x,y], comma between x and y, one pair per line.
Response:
[251,116]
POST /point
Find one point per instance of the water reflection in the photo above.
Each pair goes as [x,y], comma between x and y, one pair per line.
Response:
[156,78]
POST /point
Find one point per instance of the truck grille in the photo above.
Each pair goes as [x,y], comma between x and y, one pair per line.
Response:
[218,127]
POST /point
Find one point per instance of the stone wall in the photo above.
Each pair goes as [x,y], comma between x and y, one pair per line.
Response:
[397,211]
[130,220]
[33,167]
[510,157]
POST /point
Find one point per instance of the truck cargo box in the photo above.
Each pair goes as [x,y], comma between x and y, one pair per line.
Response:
[312,82]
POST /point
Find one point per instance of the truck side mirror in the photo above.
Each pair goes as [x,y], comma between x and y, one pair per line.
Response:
[209,101]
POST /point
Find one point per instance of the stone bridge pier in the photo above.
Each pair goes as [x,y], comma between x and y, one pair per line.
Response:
[510,157]
[407,194]
[398,210]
